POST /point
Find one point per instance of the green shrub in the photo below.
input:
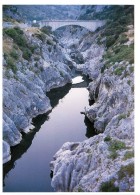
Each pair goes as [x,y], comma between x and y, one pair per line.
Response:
[11,64]
[103,69]
[18,30]
[32,48]
[26,54]
[5,55]
[80,190]
[116,50]
[116,145]
[110,40]
[46,29]
[108,187]
[7,75]
[49,42]
[15,47]
[107,139]
[107,55]
[17,35]
[128,82]
[124,52]
[125,171]
[118,71]
[10,61]
[123,38]
[113,155]
[41,36]
[14,54]
[122,116]
[131,69]
[11,32]
[128,154]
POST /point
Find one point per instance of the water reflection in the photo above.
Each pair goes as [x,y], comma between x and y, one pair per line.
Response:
[18,150]
[32,171]
[83,84]
[56,94]
[77,79]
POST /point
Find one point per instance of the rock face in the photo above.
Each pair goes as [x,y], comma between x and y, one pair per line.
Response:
[6,152]
[24,90]
[88,165]
[105,158]
[104,162]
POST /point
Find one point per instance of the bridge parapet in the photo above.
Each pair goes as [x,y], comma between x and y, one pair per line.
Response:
[91,25]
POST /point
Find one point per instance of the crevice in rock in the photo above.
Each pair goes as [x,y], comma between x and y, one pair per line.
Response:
[97,90]
[90,131]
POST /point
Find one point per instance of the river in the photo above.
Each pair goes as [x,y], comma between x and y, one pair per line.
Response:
[29,169]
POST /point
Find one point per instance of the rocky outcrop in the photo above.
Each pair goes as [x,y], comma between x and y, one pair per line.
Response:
[24,90]
[104,162]
[6,152]
[89,165]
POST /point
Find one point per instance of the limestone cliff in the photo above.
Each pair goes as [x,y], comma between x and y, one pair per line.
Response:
[104,162]
[36,61]
[33,63]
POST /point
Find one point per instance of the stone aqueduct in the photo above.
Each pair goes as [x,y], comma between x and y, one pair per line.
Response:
[91,25]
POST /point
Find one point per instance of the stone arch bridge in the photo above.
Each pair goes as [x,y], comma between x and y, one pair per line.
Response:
[91,25]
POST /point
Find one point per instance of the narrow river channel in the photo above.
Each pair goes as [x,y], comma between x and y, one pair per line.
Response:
[29,169]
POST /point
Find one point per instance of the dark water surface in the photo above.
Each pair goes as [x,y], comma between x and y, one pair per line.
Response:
[29,169]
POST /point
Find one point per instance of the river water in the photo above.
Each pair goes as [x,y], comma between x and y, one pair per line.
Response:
[29,169]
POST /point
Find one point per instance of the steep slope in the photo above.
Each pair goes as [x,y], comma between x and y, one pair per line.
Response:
[33,63]
[106,161]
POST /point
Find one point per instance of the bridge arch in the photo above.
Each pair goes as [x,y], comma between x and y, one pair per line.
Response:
[91,25]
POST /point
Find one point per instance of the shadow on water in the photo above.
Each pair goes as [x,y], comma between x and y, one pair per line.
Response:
[17,151]
[54,95]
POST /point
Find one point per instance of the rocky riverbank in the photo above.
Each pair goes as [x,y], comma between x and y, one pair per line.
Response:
[28,75]
[104,162]
[36,60]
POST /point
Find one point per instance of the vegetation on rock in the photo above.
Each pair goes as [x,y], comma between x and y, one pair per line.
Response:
[127,170]
[108,187]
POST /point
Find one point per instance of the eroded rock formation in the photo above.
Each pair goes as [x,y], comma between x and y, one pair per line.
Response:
[104,162]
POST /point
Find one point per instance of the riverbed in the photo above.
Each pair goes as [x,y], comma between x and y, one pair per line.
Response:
[29,169]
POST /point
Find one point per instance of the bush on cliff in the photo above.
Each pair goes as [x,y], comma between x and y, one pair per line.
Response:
[11,64]
[26,54]
[120,53]
[17,35]
[41,36]
[46,29]
[14,54]
[108,187]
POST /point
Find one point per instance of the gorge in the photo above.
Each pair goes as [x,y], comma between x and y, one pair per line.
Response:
[46,115]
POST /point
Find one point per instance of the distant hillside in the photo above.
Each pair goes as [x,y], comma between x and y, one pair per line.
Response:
[40,12]
[122,13]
